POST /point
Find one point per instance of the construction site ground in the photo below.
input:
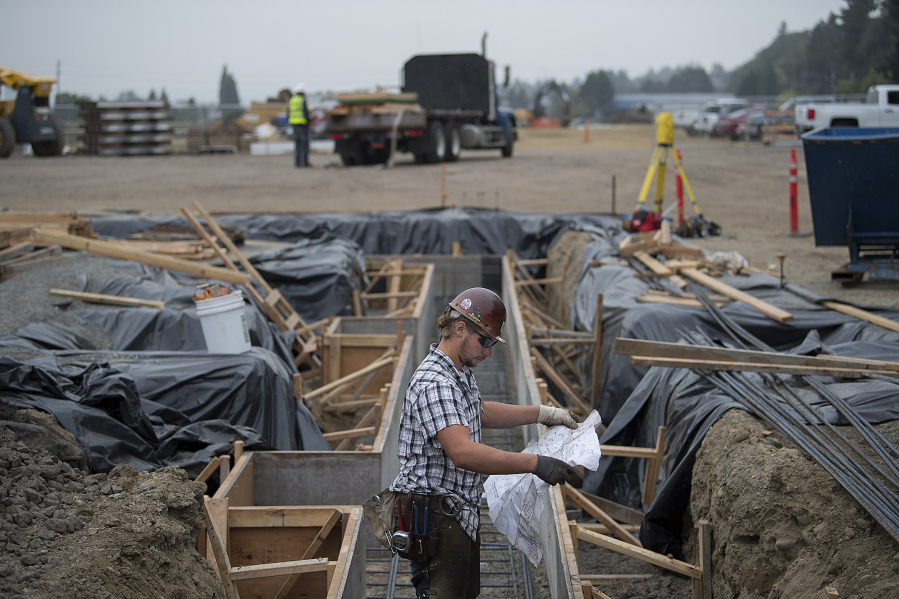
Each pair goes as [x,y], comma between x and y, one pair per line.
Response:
[742,187]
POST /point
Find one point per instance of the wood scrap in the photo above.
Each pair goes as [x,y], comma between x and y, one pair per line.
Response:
[735,294]
[112,300]
[880,321]
[124,253]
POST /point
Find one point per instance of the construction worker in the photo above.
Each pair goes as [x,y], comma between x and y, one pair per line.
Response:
[298,118]
[439,488]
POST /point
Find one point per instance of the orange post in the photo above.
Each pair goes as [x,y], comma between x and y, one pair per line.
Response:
[679,185]
[586,130]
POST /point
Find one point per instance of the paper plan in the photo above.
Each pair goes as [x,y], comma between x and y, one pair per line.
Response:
[516,500]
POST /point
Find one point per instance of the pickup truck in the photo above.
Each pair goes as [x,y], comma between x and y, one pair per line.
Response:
[881,109]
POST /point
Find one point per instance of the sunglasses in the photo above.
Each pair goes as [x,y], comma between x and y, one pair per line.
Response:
[484,341]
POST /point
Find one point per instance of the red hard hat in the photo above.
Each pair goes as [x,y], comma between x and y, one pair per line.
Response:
[484,311]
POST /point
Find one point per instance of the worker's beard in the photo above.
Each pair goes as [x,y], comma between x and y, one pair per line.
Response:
[470,354]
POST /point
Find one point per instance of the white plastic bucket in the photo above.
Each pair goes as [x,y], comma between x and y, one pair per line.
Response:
[224,324]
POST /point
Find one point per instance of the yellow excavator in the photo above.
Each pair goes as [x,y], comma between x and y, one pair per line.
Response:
[28,119]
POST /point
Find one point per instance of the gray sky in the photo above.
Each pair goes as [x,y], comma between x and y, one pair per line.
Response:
[106,47]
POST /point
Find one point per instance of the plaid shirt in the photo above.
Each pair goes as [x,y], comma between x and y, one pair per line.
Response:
[439,396]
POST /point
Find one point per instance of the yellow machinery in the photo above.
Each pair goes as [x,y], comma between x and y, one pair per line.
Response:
[28,118]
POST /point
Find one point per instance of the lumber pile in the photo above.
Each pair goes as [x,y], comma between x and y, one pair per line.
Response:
[12,222]
[375,103]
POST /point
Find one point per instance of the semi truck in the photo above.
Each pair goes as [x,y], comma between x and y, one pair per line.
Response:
[447,102]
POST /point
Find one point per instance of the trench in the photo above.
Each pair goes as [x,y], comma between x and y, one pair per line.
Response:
[505,571]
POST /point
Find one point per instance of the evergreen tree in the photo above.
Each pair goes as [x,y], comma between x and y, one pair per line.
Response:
[854,22]
[597,91]
[163,97]
[823,57]
[152,96]
[890,64]
[692,79]
[227,88]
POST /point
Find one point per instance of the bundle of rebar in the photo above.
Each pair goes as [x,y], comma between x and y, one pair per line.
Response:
[873,485]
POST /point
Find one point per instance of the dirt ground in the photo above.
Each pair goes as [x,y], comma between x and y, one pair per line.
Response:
[809,533]
[744,187]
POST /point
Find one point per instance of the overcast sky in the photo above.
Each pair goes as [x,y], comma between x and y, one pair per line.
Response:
[106,47]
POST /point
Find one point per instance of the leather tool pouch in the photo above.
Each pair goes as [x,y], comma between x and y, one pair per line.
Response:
[417,521]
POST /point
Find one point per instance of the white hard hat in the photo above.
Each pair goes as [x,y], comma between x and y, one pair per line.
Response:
[299,88]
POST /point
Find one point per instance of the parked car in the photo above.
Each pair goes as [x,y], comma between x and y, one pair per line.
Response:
[727,125]
[716,109]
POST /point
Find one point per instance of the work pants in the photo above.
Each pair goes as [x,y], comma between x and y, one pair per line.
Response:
[454,572]
[301,145]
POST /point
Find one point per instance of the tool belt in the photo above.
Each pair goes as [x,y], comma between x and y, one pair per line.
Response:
[405,523]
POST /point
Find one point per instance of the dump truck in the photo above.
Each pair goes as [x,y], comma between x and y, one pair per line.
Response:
[447,102]
[28,119]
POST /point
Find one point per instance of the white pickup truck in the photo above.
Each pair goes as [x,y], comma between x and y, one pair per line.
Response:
[881,109]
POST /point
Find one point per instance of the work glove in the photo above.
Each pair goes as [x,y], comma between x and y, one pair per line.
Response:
[552,471]
[551,416]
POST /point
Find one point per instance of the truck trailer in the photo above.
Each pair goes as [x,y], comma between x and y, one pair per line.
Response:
[448,102]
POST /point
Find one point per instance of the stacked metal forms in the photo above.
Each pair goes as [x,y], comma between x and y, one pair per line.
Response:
[126,128]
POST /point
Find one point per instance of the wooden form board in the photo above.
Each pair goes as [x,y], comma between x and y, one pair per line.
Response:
[112,250]
[343,355]
[266,547]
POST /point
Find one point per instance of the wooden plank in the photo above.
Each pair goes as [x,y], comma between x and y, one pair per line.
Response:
[673,300]
[642,246]
[605,530]
[279,569]
[390,296]
[623,451]
[576,498]
[353,433]
[546,281]
[653,467]
[112,300]
[34,255]
[394,282]
[211,467]
[226,241]
[560,382]
[735,294]
[349,378]
[660,269]
[14,251]
[705,557]
[595,578]
[890,325]
[256,516]
[218,544]
[561,341]
[597,349]
[20,266]
[333,519]
[750,367]
[111,250]
[14,234]
[650,557]
[616,510]
[662,349]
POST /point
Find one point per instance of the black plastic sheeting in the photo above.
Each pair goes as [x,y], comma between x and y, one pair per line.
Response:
[154,409]
[636,400]
[432,231]
[317,276]
[157,397]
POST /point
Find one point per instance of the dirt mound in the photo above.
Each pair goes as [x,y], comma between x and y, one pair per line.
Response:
[782,527]
[67,533]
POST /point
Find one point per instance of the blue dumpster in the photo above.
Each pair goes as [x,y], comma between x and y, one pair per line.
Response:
[853,182]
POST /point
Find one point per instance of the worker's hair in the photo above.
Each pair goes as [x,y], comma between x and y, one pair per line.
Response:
[445,324]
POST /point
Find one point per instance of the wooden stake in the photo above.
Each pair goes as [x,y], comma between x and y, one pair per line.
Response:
[705,557]
[597,349]
[575,497]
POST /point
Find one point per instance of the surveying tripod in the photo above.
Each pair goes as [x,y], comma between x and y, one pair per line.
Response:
[665,140]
